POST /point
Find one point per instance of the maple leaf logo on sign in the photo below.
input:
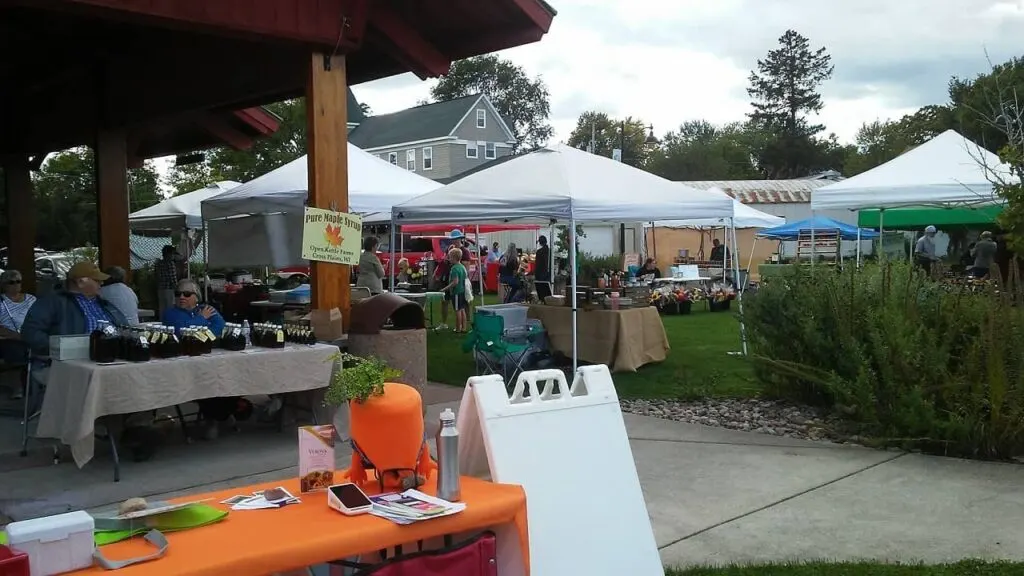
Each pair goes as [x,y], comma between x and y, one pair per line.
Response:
[332,235]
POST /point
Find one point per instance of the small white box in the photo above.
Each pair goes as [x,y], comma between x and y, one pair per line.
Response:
[69,347]
[55,544]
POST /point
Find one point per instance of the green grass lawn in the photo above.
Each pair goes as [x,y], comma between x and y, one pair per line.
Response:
[967,568]
[698,364]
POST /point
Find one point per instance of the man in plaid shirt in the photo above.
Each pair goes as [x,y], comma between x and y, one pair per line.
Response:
[166,279]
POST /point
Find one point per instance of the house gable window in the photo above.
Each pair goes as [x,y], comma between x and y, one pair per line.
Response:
[472,151]
[410,160]
[481,118]
[428,158]
[490,151]
[393,158]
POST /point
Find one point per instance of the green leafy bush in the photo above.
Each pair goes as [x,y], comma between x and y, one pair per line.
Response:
[914,362]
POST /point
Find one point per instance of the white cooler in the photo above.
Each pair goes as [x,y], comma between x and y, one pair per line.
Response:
[55,544]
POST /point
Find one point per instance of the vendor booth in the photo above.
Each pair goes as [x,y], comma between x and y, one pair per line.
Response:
[264,216]
[687,242]
[563,185]
[816,238]
[947,171]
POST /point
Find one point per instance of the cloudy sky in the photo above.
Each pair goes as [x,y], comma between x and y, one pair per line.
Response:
[668,61]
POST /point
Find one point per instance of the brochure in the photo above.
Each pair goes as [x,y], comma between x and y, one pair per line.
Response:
[412,506]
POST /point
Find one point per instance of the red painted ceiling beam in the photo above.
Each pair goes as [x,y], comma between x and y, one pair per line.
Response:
[263,122]
[536,12]
[323,23]
[217,127]
[406,44]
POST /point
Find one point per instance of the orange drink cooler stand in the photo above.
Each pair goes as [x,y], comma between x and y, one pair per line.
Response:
[264,542]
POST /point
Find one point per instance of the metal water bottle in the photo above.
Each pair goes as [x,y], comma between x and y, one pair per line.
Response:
[448,487]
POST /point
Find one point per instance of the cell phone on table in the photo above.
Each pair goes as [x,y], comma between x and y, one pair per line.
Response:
[348,499]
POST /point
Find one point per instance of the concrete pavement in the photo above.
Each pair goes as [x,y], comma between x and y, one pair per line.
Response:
[714,495]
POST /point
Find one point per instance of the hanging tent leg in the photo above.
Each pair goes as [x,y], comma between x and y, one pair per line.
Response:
[572,279]
[739,294]
[391,262]
[480,266]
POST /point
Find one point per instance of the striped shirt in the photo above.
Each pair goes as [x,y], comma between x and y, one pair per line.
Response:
[12,314]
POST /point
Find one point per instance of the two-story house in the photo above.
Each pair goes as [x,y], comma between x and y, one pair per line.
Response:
[438,140]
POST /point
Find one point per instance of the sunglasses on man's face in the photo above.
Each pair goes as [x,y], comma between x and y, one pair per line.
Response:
[13,282]
[184,294]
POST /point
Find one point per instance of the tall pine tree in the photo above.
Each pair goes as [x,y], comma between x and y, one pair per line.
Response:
[784,91]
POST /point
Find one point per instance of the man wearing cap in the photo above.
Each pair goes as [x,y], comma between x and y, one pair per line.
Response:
[984,253]
[77,309]
[924,251]
[74,310]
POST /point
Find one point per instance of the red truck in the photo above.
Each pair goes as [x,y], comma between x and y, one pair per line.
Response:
[418,249]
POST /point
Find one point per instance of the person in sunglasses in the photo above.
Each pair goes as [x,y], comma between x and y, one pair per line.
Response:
[14,306]
[187,311]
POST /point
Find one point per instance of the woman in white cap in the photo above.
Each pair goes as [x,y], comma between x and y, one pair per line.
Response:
[924,251]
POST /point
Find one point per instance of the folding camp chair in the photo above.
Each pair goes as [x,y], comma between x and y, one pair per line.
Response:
[492,350]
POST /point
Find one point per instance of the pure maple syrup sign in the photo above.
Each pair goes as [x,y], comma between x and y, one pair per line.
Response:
[331,236]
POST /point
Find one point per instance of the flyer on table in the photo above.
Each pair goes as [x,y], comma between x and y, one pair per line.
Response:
[329,236]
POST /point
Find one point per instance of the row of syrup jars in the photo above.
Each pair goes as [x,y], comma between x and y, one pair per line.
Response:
[134,345]
[163,342]
[197,340]
[267,335]
[233,337]
[299,334]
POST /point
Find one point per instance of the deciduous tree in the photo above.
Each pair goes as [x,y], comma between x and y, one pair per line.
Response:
[628,134]
[523,101]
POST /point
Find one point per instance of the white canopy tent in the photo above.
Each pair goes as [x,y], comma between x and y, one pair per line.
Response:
[560,183]
[946,171]
[178,212]
[264,216]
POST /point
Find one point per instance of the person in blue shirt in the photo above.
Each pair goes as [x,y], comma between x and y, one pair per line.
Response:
[188,312]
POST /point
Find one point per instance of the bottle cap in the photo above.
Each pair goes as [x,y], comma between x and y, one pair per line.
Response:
[447,415]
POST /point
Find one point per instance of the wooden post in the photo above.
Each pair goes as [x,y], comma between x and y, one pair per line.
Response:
[21,221]
[112,198]
[327,144]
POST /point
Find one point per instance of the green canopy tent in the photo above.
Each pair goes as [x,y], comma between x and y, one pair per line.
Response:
[917,218]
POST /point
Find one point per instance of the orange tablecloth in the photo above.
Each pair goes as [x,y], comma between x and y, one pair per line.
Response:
[262,542]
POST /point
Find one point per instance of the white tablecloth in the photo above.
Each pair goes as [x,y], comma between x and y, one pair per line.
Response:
[78,392]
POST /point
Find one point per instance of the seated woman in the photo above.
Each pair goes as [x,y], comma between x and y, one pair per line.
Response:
[509,274]
[404,271]
[14,305]
[187,311]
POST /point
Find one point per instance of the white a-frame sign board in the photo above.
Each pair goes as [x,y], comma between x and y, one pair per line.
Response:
[567,447]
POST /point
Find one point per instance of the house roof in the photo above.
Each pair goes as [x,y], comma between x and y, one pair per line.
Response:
[424,122]
[795,191]
[355,111]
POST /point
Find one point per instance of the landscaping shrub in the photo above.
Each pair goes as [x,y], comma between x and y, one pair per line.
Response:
[592,266]
[914,362]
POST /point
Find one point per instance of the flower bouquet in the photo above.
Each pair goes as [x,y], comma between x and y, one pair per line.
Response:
[721,297]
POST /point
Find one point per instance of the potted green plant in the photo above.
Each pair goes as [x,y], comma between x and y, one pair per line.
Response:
[385,420]
[358,379]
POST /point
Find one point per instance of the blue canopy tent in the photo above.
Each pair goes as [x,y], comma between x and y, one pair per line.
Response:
[818,225]
[792,230]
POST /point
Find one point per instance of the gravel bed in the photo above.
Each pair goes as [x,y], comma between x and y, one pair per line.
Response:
[771,417]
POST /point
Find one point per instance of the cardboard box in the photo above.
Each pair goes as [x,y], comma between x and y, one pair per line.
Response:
[326,324]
